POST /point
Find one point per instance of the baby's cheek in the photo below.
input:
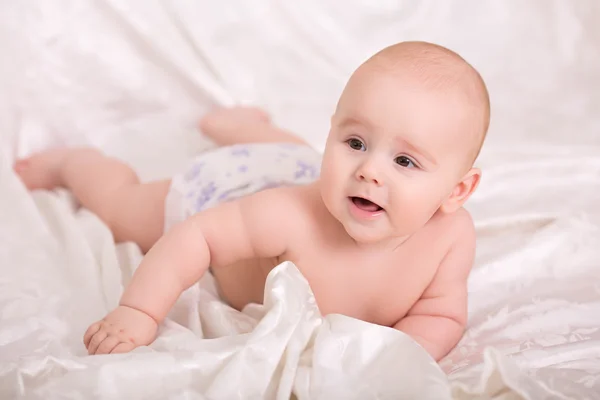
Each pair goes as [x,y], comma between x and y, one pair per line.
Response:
[330,166]
[411,215]
[331,177]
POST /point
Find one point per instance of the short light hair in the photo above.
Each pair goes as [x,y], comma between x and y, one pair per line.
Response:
[441,68]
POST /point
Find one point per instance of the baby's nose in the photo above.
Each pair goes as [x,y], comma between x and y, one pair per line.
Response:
[368,173]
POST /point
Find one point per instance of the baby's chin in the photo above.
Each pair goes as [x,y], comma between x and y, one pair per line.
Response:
[365,236]
[374,237]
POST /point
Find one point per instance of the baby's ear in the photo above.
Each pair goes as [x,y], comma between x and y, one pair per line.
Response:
[462,191]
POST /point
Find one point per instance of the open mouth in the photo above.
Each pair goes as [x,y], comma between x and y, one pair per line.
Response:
[365,205]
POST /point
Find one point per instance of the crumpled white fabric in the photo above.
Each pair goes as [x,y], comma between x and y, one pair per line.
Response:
[133,78]
[75,275]
[266,352]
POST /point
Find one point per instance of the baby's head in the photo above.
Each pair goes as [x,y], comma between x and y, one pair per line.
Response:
[405,134]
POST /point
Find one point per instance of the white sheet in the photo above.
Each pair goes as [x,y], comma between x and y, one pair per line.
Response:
[133,79]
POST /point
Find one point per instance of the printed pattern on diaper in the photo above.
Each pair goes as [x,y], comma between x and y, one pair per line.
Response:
[228,173]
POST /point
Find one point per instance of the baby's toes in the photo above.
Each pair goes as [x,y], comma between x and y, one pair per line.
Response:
[259,114]
[108,344]
[23,168]
[41,170]
[21,165]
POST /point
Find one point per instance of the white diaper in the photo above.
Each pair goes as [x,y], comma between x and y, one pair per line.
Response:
[228,173]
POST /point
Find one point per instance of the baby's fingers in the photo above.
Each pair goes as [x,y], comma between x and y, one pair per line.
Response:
[97,339]
[91,331]
[123,348]
[108,344]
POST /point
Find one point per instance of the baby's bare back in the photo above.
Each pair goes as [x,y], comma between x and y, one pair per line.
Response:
[377,285]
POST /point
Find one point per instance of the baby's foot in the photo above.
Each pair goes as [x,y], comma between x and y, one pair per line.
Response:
[228,118]
[42,170]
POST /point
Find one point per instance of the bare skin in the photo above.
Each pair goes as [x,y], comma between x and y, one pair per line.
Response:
[381,236]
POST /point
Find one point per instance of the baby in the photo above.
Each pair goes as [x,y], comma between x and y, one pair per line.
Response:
[378,231]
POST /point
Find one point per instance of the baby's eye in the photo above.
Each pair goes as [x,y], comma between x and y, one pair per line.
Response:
[405,162]
[356,144]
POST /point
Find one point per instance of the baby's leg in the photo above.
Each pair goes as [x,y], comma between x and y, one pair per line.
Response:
[238,125]
[109,188]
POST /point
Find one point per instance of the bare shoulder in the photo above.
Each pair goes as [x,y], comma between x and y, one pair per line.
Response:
[284,206]
[461,223]
[446,295]
[274,217]
[261,225]
[460,252]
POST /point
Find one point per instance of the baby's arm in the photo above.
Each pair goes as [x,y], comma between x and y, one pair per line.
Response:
[438,320]
[220,236]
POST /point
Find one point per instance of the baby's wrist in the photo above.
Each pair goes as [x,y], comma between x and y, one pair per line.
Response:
[139,310]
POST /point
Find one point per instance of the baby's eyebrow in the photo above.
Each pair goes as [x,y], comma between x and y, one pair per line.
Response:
[350,121]
[419,150]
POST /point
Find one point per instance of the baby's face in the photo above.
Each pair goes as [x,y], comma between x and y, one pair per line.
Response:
[395,153]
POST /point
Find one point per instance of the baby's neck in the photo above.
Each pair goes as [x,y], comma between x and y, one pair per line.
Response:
[387,245]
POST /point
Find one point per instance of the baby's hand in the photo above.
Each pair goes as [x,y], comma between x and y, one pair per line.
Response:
[121,331]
